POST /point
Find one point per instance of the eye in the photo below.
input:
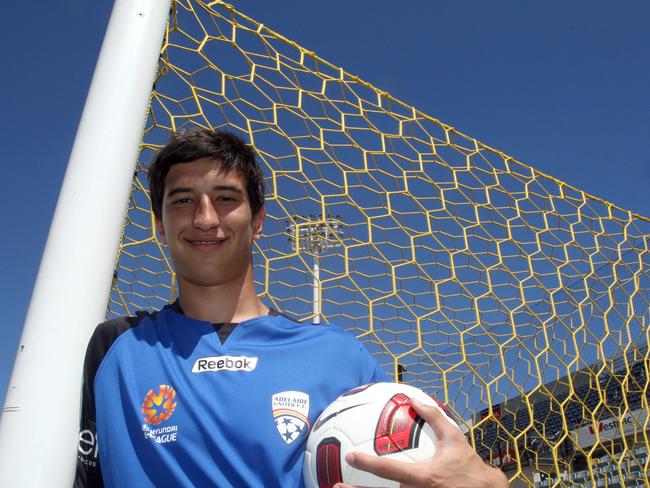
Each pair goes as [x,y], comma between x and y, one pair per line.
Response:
[225,199]
[182,201]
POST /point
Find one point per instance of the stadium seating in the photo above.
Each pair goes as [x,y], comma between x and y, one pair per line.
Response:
[615,393]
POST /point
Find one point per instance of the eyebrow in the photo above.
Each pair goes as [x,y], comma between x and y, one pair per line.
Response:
[178,190]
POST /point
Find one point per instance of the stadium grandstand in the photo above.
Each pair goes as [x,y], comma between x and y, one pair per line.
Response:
[591,434]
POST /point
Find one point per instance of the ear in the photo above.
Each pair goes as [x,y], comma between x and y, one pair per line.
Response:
[161,231]
[258,223]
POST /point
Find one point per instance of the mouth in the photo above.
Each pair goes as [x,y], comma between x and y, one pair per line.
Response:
[206,245]
[201,242]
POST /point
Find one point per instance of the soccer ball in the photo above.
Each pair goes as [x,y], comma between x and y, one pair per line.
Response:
[374,419]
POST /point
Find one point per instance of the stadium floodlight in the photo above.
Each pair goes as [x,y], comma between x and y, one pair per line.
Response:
[316,236]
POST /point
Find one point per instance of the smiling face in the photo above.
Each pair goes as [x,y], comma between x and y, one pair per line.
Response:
[207,224]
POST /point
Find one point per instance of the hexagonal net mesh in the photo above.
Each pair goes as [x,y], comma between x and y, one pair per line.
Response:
[520,301]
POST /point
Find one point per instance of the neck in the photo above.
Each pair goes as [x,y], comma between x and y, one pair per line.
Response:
[228,302]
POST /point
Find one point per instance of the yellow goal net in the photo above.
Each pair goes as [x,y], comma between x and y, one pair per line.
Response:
[520,301]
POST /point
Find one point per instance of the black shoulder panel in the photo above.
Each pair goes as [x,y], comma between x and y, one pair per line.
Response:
[88,473]
[276,313]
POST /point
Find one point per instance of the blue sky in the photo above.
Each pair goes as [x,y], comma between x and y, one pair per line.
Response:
[562,86]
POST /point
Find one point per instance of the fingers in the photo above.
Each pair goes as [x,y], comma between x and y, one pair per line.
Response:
[382,467]
[437,419]
[412,474]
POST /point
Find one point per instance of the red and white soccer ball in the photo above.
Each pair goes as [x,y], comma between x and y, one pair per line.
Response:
[375,419]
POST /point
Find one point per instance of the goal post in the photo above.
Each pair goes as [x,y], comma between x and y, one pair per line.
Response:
[38,427]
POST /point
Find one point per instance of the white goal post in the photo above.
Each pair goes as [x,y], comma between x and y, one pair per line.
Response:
[39,423]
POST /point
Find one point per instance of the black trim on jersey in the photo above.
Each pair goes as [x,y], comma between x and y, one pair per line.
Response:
[275,313]
[88,472]
[224,329]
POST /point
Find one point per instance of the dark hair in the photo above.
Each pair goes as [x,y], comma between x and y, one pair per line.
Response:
[187,145]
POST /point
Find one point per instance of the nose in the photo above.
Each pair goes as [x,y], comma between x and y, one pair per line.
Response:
[205,216]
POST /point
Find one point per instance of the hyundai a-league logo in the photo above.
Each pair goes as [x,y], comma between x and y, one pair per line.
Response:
[158,407]
[290,412]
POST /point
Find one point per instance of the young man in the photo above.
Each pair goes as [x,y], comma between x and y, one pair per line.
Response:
[215,389]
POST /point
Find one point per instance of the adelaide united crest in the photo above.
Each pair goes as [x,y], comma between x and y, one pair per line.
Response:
[291,414]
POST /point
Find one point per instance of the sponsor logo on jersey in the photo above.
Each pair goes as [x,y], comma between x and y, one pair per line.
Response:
[225,363]
[291,414]
[161,435]
[157,407]
[88,447]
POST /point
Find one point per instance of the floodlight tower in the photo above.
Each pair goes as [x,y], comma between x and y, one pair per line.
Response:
[316,235]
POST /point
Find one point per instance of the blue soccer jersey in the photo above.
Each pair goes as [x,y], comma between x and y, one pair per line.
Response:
[166,403]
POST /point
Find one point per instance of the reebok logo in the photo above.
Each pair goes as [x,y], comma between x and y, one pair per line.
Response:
[225,363]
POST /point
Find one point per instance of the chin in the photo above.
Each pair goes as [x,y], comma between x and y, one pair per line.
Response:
[210,280]
[207,281]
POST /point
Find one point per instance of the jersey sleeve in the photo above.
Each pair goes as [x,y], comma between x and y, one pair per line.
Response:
[378,375]
[374,372]
[88,472]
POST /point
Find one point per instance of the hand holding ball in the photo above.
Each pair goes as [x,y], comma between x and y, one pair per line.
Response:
[376,419]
